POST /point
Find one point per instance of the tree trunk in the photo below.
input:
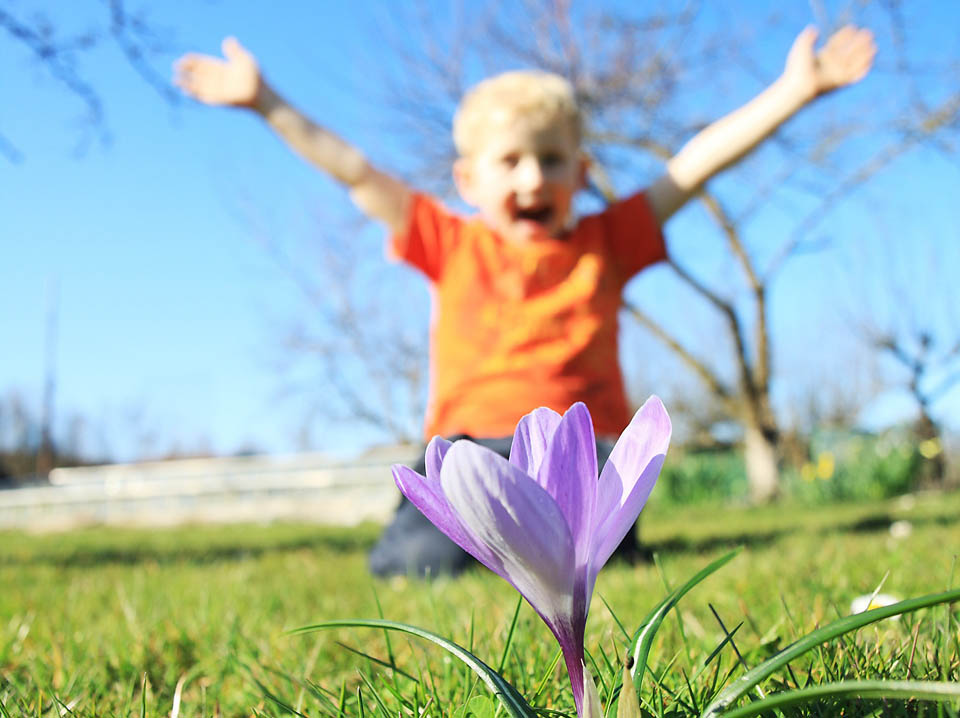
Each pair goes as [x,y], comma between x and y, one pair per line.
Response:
[763,474]
[933,471]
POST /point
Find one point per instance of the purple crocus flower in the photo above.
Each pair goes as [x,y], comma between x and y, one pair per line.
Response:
[542,520]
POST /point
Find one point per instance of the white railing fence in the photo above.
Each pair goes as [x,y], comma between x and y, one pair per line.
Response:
[306,487]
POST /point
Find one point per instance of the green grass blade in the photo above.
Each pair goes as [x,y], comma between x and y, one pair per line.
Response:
[728,638]
[616,619]
[509,643]
[643,638]
[498,685]
[751,678]
[273,697]
[374,659]
[900,690]
[547,673]
[365,679]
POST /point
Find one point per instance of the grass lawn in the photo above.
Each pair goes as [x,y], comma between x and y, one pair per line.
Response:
[84,616]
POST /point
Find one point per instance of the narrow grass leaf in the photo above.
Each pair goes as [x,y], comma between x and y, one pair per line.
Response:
[716,651]
[374,659]
[897,690]
[643,638]
[549,672]
[753,677]
[498,685]
[509,643]
[373,690]
[386,635]
[616,619]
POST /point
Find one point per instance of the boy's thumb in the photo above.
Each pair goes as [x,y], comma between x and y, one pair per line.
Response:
[232,49]
[809,35]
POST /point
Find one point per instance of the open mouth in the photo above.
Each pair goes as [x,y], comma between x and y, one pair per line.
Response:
[540,215]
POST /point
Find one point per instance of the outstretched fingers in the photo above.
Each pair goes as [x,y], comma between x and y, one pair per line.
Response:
[231,80]
[847,56]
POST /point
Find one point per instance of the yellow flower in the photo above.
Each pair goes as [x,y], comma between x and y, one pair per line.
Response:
[826,465]
[930,448]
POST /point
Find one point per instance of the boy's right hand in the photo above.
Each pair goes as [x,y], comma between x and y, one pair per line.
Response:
[233,81]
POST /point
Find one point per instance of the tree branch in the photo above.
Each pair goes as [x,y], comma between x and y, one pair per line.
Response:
[713,382]
[61,64]
[131,33]
[947,114]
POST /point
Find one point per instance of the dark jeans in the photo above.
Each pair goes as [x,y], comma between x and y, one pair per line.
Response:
[413,545]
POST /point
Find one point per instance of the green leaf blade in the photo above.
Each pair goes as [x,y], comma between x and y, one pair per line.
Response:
[899,690]
[498,685]
[736,690]
[642,640]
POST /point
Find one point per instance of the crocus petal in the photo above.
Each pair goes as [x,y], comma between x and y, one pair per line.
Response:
[436,450]
[517,522]
[427,495]
[569,475]
[628,477]
[531,438]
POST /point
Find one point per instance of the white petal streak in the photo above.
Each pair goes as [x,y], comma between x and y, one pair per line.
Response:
[517,520]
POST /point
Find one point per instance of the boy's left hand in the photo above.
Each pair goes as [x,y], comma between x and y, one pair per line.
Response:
[844,59]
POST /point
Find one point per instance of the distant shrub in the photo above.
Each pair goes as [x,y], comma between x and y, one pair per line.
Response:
[847,466]
[843,466]
[702,476]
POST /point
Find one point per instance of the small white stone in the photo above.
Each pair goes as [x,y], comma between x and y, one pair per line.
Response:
[901,529]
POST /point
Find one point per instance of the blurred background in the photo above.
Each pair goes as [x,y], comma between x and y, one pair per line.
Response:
[175,283]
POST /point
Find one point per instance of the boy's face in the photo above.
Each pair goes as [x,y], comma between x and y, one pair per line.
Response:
[523,177]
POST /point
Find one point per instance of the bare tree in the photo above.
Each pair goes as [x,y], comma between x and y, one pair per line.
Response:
[43,39]
[932,371]
[648,83]
[350,354]
[909,315]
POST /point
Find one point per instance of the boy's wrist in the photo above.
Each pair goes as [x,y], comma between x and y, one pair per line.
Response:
[265,100]
[795,90]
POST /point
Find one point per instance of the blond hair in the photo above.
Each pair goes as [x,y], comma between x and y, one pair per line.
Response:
[536,96]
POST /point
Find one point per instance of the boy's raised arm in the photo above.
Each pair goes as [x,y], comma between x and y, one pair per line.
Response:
[235,81]
[845,59]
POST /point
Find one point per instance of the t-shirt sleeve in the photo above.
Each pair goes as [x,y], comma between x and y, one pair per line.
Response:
[428,239]
[633,234]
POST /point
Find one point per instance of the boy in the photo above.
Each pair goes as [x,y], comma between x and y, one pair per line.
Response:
[525,296]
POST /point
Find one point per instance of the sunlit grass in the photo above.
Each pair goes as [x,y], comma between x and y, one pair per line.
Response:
[85,615]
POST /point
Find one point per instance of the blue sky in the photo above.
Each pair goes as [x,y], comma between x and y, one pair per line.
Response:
[169,306]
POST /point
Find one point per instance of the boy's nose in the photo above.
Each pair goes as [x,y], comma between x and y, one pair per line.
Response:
[529,174]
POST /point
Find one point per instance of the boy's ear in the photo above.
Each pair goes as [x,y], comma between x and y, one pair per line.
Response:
[583,171]
[463,179]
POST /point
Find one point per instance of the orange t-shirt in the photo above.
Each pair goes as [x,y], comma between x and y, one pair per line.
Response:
[518,326]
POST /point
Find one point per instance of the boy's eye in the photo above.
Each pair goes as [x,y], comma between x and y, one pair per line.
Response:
[511,160]
[552,159]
